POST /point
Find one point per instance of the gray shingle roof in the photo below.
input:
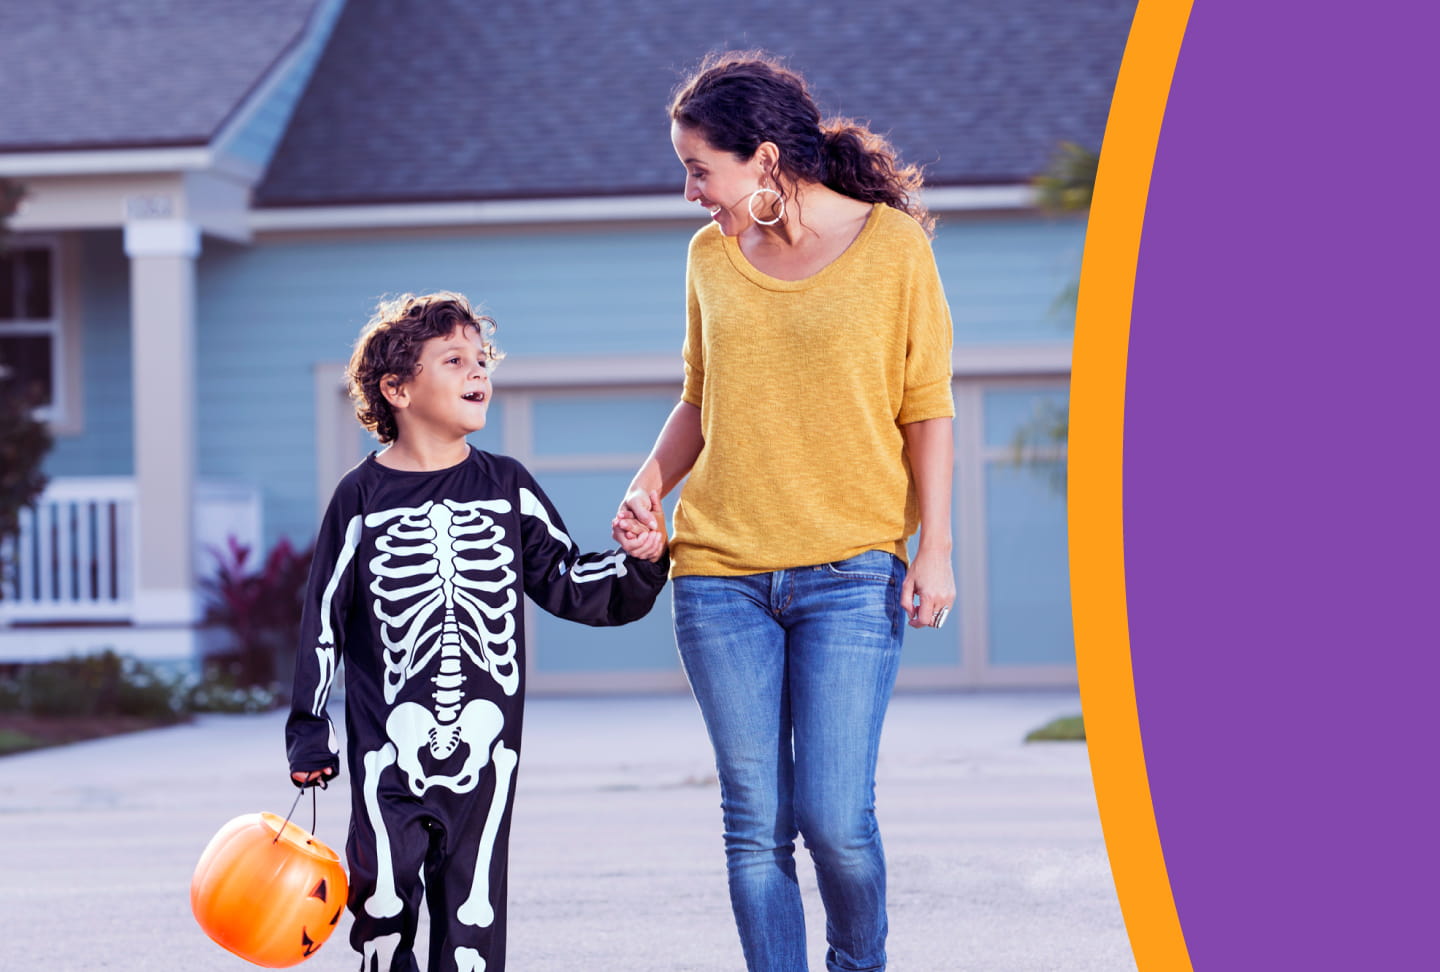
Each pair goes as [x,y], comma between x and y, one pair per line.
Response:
[87,74]
[456,99]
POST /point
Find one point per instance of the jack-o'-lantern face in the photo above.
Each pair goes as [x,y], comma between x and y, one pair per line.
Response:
[268,891]
[320,898]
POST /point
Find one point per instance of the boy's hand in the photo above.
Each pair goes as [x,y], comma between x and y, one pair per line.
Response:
[626,526]
[635,537]
[314,776]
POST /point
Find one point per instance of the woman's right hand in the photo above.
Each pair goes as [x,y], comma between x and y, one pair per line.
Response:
[669,461]
[640,516]
[638,503]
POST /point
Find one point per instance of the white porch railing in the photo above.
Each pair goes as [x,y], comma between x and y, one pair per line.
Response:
[73,559]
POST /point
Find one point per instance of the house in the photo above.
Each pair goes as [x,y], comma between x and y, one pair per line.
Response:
[218,191]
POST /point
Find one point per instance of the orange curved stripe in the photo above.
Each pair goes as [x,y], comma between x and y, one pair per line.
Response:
[1097,555]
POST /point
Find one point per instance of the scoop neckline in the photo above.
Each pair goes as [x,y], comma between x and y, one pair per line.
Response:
[742,263]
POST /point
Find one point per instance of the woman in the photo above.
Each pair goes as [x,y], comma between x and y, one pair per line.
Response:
[816,430]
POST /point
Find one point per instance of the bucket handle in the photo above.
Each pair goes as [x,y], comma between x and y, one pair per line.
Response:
[314,808]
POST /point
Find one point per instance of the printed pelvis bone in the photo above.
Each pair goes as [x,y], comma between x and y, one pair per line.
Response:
[477,909]
[443,593]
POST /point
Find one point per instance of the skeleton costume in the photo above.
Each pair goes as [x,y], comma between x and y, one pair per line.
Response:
[417,582]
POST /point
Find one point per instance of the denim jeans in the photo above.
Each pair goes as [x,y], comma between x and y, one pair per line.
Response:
[793,671]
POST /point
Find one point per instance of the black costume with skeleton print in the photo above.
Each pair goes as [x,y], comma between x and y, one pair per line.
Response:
[418,582]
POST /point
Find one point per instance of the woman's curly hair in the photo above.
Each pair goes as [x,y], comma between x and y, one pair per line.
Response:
[389,347]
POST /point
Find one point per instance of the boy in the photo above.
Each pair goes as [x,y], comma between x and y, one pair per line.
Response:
[418,579]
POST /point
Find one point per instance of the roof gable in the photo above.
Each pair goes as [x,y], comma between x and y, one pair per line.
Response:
[455,100]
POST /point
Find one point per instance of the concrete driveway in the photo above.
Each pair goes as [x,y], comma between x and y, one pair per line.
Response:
[996,858]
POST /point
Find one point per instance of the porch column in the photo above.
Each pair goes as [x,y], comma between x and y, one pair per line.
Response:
[162,256]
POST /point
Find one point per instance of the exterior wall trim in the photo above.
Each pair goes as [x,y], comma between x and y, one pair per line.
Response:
[669,206]
[999,360]
[109,161]
[173,644]
[665,368]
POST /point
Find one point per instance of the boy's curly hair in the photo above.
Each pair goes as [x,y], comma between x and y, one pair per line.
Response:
[390,345]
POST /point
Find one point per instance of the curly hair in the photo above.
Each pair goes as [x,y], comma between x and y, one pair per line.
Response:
[389,347]
[740,99]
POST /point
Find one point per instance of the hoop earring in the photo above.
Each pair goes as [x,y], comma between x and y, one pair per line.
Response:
[750,205]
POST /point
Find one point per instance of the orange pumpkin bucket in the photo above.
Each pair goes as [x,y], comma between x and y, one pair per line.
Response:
[268,891]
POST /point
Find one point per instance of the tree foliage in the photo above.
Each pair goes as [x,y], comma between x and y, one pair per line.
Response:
[10,195]
[24,442]
[1066,185]
[24,439]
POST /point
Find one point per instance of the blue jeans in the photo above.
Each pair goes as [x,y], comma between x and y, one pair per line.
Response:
[793,672]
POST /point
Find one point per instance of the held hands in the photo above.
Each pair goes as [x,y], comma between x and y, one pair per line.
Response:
[929,588]
[639,526]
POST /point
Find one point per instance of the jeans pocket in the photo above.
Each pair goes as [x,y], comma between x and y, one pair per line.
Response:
[878,566]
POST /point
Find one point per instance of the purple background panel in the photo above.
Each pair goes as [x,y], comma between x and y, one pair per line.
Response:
[1281,488]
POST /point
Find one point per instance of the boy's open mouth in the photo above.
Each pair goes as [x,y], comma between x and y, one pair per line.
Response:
[474,396]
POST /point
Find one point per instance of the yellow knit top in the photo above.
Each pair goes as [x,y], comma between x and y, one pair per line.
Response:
[802,388]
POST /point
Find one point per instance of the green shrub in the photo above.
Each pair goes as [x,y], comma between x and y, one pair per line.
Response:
[261,610]
[103,685]
[10,698]
[107,684]
[1063,729]
[217,691]
[17,742]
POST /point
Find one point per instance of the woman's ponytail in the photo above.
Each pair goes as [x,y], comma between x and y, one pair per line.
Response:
[863,165]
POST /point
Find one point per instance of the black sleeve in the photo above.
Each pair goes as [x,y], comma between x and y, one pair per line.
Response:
[310,740]
[592,588]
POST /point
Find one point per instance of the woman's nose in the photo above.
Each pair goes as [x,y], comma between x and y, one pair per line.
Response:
[691,193]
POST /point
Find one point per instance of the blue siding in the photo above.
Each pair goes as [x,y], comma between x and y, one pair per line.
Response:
[269,312]
[1003,277]
[575,293]
[255,391]
[104,446]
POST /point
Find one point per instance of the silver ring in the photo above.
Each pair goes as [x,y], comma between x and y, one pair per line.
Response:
[940,617]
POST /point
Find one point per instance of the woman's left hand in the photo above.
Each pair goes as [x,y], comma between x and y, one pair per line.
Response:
[929,588]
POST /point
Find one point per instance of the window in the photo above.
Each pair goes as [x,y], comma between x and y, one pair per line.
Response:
[30,322]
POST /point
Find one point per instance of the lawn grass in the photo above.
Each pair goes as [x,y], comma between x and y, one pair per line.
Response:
[15,741]
[1064,729]
[21,733]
